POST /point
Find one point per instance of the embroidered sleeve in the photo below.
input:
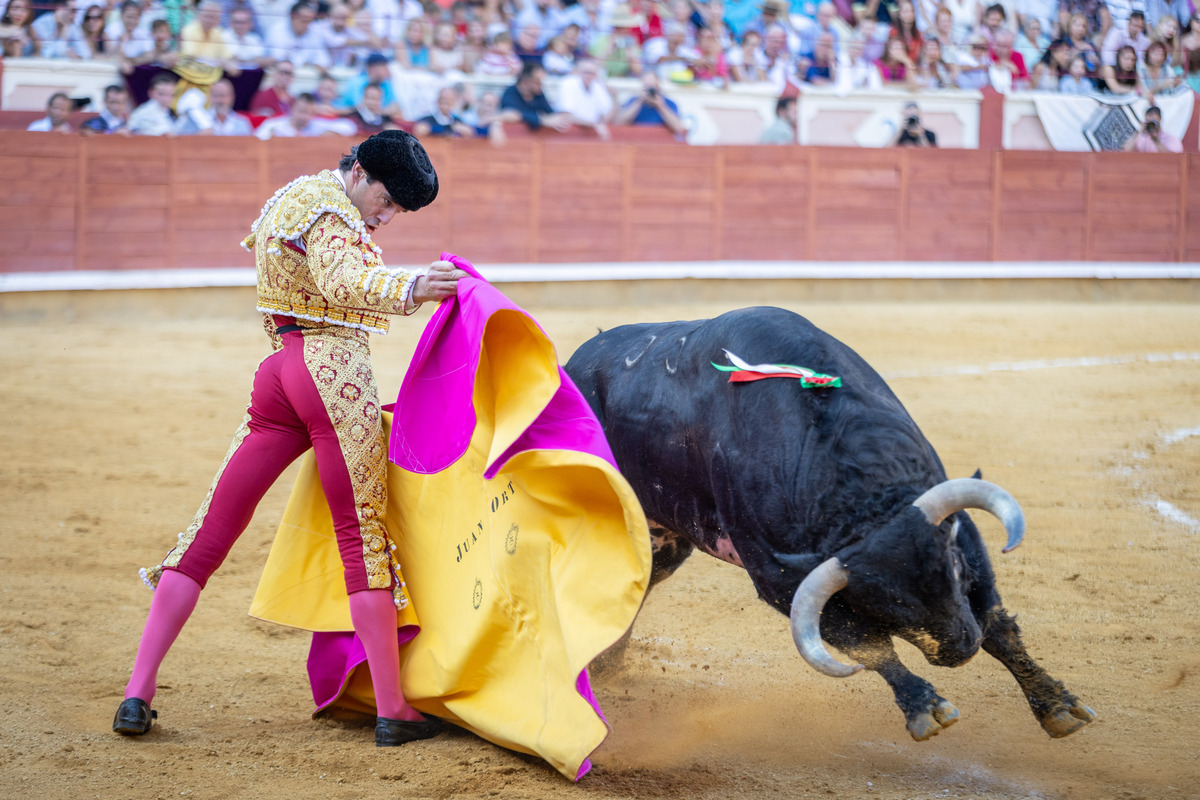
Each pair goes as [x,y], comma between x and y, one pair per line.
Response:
[349,273]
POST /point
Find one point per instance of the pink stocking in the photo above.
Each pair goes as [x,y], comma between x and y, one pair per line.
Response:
[373,612]
[173,602]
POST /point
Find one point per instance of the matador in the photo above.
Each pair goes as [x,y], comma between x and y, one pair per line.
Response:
[322,289]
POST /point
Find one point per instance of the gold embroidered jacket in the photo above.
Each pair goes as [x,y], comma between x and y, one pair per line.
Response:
[316,261]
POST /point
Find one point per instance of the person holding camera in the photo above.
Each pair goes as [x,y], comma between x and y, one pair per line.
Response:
[651,108]
[912,132]
[1151,138]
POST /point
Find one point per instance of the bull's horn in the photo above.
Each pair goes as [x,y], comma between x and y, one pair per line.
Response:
[949,497]
[807,604]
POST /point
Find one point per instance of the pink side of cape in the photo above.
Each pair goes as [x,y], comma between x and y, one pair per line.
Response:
[433,421]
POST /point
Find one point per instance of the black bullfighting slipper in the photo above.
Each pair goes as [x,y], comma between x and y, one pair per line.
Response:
[134,717]
[395,732]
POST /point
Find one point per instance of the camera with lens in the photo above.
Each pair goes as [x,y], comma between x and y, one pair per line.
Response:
[651,92]
[912,122]
[1151,126]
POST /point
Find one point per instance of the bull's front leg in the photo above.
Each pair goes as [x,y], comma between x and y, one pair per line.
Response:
[926,712]
[1059,712]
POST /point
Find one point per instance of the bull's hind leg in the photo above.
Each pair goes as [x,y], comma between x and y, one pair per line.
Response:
[668,551]
[1059,712]
[926,712]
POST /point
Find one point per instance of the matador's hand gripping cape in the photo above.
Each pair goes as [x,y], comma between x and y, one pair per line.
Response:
[525,552]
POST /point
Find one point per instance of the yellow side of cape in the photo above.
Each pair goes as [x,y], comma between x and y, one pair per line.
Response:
[519,582]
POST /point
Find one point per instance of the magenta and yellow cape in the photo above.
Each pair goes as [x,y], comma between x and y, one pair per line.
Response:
[525,552]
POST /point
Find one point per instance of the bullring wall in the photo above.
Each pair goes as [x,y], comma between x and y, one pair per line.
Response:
[74,203]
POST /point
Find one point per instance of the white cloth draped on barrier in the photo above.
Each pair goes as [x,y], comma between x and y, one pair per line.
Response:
[1105,122]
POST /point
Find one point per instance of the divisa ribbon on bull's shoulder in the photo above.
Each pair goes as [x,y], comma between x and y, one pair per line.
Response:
[742,372]
[525,552]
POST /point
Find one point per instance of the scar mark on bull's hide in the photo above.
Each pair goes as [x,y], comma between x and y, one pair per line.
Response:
[667,360]
[629,362]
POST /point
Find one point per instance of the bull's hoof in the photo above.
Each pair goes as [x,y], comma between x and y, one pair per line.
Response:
[931,722]
[1067,720]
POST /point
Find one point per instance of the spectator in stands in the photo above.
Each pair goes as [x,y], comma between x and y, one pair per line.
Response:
[58,111]
[855,70]
[127,35]
[670,54]
[747,63]
[328,98]
[525,102]
[155,117]
[486,120]
[114,117]
[1095,17]
[932,70]
[59,35]
[774,14]
[895,68]
[822,70]
[297,40]
[17,35]
[878,11]
[526,45]
[912,133]
[1192,78]
[783,129]
[443,121]
[779,61]
[412,52]
[275,100]
[249,50]
[1077,36]
[1076,80]
[710,65]
[1045,12]
[594,21]
[162,50]
[94,39]
[1053,65]
[446,54]
[619,50]
[558,60]
[205,40]
[499,60]
[1166,30]
[1189,42]
[302,121]
[1151,138]
[827,21]
[651,107]
[584,95]
[974,63]
[995,19]
[226,121]
[368,113]
[1133,34]
[1157,74]
[547,15]
[339,37]
[1122,77]
[1031,42]
[474,45]
[1009,71]
[906,30]
[376,71]
[947,34]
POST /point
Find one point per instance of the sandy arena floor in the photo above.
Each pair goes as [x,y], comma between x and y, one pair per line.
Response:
[112,428]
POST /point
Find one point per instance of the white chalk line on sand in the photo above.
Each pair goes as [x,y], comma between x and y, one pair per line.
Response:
[1164,508]
[1052,363]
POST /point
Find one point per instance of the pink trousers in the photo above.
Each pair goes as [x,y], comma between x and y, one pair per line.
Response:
[286,416]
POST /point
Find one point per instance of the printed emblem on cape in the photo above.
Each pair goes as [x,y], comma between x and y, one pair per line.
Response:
[510,541]
[477,595]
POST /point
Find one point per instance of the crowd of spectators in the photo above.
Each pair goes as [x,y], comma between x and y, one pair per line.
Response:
[1144,47]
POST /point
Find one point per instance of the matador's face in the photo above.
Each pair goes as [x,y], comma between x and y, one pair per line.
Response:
[374,204]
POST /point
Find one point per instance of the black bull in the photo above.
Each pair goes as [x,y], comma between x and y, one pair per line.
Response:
[830,498]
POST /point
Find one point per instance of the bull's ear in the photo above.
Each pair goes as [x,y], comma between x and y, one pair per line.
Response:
[978,475]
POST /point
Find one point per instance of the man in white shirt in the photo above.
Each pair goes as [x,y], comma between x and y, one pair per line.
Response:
[213,115]
[114,117]
[155,117]
[303,122]
[297,40]
[58,108]
[249,51]
[547,15]
[669,54]
[583,95]
[130,33]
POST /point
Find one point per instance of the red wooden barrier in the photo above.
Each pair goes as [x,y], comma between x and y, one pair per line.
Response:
[146,203]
